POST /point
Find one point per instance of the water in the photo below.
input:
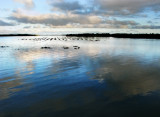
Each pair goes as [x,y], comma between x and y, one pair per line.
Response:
[108,77]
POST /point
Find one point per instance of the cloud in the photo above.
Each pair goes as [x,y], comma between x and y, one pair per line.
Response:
[27,27]
[90,14]
[2,23]
[29,4]
[67,6]
[106,7]
[126,7]
[75,6]
[54,19]
[148,27]
[71,20]
[122,24]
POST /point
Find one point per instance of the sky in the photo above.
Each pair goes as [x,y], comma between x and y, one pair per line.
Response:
[37,16]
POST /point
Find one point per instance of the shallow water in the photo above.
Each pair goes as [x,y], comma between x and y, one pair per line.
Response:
[104,77]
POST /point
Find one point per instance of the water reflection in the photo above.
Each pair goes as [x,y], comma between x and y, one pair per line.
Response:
[9,85]
[59,82]
[128,77]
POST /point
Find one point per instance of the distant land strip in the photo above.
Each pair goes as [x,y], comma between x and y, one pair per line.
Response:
[2,35]
[118,35]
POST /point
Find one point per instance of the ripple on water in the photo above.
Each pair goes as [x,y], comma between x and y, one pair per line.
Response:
[103,76]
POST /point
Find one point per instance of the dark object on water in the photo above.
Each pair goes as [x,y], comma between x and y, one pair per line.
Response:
[65,47]
[45,47]
[76,47]
[4,46]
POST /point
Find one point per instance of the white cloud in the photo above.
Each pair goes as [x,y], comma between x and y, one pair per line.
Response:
[55,19]
[28,3]
[71,20]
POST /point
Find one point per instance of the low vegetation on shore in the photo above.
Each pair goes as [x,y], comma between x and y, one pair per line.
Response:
[1,35]
[117,35]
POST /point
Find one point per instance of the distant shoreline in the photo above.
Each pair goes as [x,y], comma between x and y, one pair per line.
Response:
[118,35]
[3,35]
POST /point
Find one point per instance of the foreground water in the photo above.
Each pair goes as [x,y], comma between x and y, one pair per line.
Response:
[104,77]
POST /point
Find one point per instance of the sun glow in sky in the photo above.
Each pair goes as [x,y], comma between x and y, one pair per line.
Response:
[36,16]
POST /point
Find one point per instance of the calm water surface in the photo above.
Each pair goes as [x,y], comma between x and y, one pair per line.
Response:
[105,77]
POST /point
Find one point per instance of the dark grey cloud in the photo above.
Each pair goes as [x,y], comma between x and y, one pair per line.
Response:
[68,6]
[122,24]
[108,7]
[127,7]
[3,23]
[147,27]
[72,6]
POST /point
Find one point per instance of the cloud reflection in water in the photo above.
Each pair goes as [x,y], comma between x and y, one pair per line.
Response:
[96,75]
